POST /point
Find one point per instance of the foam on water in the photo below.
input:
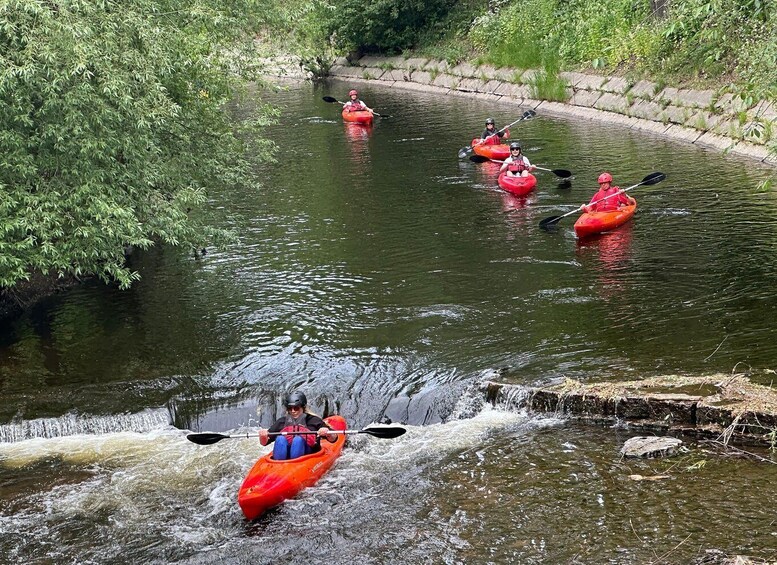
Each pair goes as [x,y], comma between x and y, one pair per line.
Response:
[183,495]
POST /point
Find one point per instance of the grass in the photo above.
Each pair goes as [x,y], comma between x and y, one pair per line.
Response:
[452,52]
[547,85]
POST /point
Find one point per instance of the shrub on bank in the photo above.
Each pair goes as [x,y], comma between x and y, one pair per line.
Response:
[697,42]
[114,128]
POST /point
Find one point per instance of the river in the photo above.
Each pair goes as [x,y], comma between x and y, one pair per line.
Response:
[385,277]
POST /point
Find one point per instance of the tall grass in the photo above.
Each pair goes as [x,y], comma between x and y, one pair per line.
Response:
[715,42]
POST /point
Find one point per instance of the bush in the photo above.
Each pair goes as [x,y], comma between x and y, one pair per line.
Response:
[114,128]
[388,26]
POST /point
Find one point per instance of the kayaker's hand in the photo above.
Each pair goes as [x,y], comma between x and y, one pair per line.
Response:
[586,209]
[264,436]
[326,433]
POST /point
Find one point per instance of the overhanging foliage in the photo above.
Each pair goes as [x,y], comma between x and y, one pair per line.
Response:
[114,128]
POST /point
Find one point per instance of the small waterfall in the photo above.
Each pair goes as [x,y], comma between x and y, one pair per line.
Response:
[72,424]
[469,404]
[472,400]
[513,398]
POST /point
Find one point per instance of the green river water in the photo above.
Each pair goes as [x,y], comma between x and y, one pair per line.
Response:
[385,277]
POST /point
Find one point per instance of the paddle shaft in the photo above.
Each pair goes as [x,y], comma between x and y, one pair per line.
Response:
[563,173]
[331,100]
[276,434]
[208,438]
[576,210]
[464,151]
[652,178]
[621,191]
[526,115]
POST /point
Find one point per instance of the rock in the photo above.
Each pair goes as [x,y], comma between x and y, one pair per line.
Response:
[651,446]
[650,478]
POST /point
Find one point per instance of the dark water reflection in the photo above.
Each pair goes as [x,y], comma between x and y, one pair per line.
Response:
[384,276]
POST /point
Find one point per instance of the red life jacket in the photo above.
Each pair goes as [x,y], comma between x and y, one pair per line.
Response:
[355,106]
[612,203]
[310,439]
[518,166]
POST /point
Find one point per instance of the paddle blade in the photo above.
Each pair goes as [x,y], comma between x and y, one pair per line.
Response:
[653,178]
[478,159]
[329,99]
[550,222]
[464,151]
[562,173]
[529,114]
[206,438]
[384,432]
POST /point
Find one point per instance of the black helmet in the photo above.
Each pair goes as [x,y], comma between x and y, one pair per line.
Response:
[515,145]
[490,121]
[296,399]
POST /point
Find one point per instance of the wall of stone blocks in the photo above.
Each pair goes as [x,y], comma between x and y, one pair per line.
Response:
[704,117]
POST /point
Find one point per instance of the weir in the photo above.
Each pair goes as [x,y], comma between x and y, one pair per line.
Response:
[72,424]
[727,408]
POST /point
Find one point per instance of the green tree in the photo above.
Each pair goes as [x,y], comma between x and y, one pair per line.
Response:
[114,126]
[385,25]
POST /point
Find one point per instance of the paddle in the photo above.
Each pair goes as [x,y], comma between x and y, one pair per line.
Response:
[652,178]
[464,151]
[208,438]
[332,100]
[561,173]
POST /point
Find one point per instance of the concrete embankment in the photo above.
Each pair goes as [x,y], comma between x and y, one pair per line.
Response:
[716,120]
[728,408]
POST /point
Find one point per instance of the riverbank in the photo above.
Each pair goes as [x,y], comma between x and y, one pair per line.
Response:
[26,294]
[706,118]
[702,117]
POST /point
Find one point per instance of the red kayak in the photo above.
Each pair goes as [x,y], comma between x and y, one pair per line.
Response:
[270,482]
[598,222]
[498,151]
[359,116]
[520,186]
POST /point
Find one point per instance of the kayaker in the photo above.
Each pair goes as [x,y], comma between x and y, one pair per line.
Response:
[517,164]
[490,135]
[605,190]
[297,419]
[354,104]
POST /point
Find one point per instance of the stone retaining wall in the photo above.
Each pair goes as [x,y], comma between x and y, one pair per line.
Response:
[715,407]
[703,117]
